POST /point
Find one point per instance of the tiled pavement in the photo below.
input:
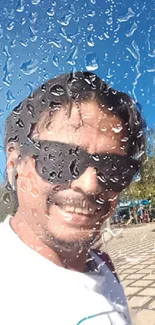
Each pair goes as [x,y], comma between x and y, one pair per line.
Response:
[134,256]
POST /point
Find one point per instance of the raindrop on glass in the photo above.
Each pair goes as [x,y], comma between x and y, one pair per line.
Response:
[11,25]
[65,20]
[129,15]
[6,198]
[1,31]
[52,174]
[90,40]
[51,12]
[1,112]
[55,60]
[29,67]
[57,90]
[96,157]
[35,2]
[33,17]
[20,6]
[74,168]
[91,61]
[117,129]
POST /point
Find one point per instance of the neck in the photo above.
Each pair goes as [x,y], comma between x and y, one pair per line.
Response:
[70,260]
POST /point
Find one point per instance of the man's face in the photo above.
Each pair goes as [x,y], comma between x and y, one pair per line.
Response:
[71,214]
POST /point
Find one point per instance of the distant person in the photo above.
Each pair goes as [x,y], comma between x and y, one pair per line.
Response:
[71,148]
[140,214]
[135,217]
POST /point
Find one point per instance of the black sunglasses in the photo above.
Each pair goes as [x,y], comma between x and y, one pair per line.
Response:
[58,162]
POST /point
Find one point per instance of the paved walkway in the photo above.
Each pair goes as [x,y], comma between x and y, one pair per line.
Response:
[134,256]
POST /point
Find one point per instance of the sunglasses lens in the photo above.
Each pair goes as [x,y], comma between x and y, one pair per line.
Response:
[74,169]
[59,163]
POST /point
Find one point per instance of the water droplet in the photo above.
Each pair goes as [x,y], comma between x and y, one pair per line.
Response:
[100,201]
[9,14]
[96,157]
[117,129]
[20,6]
[93,2]
[72,9]
[35,2]
[56,42]
[6,52]
[11,25]
[1,31]
[90,40]
[1,148]
[33,17]
[30,109]
[151,69]
[23,20]
[91,61]
[9,97]
[34,192]
[129,15]
[55,60]
[67,215]
[60,174]
[33,34]
[114,179]
[91,13]
[30,86]
[57,90]
[13,43]
[20,123]
[101,177]
[73,168]
[101,37]
[72,56]
[29,67]
[6,198]
[132,30]
[65,20]
[52,174]
[90,27]
[45,59]
[8,72]
[51,12]
[1,112]
[24,43]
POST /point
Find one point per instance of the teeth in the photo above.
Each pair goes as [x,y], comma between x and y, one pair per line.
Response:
[85,211]
[84,204]
[72,209]
[68,208]
[78,210]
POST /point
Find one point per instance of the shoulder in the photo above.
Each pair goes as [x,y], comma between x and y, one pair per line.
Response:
[105,258]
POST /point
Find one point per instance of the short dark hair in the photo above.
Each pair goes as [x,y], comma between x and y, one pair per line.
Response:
[76,87]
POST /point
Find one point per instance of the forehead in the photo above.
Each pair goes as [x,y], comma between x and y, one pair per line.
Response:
[89,126]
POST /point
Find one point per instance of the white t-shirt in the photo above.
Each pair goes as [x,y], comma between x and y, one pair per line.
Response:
[35,291]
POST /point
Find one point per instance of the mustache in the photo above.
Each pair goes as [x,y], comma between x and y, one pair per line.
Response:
[60,195]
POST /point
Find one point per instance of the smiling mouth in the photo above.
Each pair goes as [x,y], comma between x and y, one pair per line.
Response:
[79,209]
[76,210]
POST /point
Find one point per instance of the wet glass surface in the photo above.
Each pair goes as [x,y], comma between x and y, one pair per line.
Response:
[114,40]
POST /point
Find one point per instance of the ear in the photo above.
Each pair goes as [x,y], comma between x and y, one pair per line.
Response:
[12,161]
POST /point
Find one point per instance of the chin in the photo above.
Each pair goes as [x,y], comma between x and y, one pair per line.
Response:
[66,239]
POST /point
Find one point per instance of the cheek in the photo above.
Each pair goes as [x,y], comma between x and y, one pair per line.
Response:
[29,181]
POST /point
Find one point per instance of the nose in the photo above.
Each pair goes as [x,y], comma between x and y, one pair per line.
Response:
[87,182]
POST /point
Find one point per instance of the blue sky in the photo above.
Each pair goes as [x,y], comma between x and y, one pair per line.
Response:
[41,39]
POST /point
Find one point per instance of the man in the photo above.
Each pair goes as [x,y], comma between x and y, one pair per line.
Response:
[70,148]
